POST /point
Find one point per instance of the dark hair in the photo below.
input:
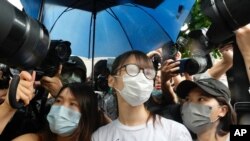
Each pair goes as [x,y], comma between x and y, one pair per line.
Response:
[101,73]
[91,117]
[75,64]
[229,119]
[142,60]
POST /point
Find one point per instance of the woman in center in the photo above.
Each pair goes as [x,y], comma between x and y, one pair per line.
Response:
[131,79]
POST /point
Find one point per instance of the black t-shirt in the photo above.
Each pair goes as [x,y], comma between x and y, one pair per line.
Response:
[21,123]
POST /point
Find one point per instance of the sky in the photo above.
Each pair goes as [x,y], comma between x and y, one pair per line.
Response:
[16,3]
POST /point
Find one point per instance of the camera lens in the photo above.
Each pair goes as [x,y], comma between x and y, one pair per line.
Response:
[24,42]
[196,65]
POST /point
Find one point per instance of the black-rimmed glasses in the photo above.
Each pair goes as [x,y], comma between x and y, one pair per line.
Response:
[134,70]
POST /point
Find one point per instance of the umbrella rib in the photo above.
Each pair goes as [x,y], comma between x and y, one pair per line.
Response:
[111,14]
[90,34]
[116,17]
[153,19]
[65,10]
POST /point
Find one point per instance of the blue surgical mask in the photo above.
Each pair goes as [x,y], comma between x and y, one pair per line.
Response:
[62,120]
[156,92]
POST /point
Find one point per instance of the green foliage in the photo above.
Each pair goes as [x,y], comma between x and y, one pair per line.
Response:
[197,21]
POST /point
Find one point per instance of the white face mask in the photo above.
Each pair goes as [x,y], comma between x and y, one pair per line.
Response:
[137,89]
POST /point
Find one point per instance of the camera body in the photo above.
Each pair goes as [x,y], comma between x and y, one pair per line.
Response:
[59,53]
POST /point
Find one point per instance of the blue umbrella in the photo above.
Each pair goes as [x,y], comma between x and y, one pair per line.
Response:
[114,28]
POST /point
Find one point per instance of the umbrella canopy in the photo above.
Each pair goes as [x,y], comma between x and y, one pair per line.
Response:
[114,28]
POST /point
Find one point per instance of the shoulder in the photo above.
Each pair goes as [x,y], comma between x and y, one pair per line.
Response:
[28,137]
[103,131]
[172,127]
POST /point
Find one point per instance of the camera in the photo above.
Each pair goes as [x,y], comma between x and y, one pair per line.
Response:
[59,53]
[226,16]
[199,61]
[25,43]
[195,64]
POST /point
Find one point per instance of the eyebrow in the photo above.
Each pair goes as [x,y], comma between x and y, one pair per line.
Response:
[71,99]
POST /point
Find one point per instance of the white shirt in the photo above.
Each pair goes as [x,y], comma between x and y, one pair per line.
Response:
[163,130]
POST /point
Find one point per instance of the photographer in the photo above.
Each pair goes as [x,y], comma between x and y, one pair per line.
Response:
[106,100]
[73,70]
[164,100]
[25,91]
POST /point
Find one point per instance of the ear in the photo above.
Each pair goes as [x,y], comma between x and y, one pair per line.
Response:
[223,111]
[111,81]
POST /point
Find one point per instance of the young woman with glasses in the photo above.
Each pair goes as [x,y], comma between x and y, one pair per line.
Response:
[131,78]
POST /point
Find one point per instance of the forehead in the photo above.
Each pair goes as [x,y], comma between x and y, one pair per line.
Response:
[66,94]
[138,60]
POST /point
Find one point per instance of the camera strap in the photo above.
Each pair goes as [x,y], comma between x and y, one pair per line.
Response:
[12,93]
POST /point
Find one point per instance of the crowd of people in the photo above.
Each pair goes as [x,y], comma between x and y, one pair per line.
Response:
[134,99]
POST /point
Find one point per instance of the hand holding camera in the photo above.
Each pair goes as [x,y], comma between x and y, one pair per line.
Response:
[24,89]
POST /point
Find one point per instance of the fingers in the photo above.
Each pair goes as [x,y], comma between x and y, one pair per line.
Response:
[169,69]
[25,88]
[59,70]
[25,94]
[170,66]
[33,75]
[25,75]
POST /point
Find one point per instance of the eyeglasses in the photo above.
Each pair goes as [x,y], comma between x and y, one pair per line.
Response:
[134,70]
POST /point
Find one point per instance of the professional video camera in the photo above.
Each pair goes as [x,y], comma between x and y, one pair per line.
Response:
[25,44]
[226,16]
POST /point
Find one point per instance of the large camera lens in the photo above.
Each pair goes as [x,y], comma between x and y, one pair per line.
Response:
[197,64]
[226,16]
[24,42]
